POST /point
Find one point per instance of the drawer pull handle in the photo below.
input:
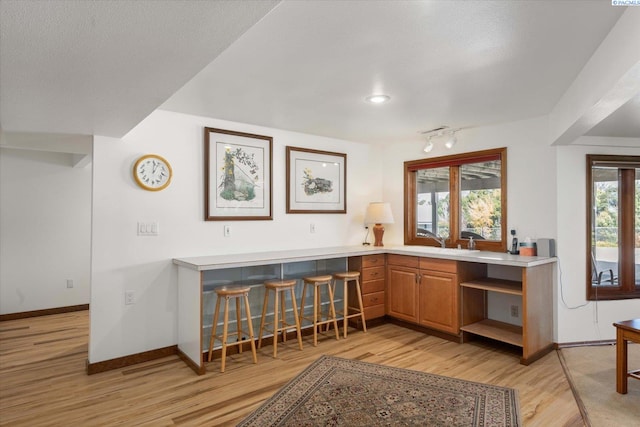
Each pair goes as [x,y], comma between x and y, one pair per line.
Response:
[374,274]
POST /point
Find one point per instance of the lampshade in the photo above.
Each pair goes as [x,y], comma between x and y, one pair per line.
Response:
[378,213]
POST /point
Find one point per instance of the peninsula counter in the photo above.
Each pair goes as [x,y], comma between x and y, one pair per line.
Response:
[198,277]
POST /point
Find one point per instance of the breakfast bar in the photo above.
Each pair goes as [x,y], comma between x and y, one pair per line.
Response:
[476,274]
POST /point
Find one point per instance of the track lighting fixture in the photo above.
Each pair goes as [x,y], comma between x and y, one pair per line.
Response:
[427,148]
[440,134]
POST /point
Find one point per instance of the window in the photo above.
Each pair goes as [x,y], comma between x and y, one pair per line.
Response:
[450,199]
[613,243]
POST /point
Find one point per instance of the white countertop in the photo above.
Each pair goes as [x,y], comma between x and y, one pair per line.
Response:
[215,262]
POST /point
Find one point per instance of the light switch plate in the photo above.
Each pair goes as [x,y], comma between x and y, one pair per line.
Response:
[148,228]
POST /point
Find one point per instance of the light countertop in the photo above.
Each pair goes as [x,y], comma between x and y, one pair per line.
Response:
[214,262]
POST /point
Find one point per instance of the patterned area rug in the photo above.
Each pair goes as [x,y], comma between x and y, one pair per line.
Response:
[334,391]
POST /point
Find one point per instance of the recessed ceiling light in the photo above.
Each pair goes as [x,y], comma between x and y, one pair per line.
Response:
[377,99]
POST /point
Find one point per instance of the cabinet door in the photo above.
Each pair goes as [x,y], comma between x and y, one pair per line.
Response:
[439,301]
[402,293]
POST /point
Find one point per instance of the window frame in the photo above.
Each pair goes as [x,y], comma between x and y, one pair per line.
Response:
[454,162]
[627,288]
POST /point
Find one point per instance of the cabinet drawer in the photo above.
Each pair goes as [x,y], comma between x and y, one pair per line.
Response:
[369,300]
[373,273]
[374,311]
[436,264]
[403,260]
[372,286]
[372,260]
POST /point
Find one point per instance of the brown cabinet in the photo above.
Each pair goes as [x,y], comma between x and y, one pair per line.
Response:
[534,286]
[402,292]
[425,291]
[372,283]
[439,301]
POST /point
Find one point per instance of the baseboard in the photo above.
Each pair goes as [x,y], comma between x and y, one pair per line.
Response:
[44,312]
[585,343]
[132,359]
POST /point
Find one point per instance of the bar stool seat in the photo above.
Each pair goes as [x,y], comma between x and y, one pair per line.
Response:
[349,311]
[316,318]
[279,288]
[238,293]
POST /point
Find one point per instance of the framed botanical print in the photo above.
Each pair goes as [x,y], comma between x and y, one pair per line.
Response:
[316,181]
[238,175]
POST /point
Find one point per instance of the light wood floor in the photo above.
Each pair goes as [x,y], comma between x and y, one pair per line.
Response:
[43,379]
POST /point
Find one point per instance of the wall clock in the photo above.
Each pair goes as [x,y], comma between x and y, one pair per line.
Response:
[152,172]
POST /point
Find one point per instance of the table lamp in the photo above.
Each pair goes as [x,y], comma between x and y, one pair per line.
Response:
[378,213]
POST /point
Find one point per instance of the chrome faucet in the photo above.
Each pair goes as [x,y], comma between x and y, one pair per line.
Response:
[439,240]
[435,237]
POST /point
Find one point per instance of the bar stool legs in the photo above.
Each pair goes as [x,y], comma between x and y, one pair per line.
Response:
[237,293]
[279,287]
[346,277]
[316,282]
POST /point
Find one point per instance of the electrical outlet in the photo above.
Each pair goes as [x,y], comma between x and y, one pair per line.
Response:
[312,228]
[129,297]
[69,283]
[514,311]
[227,230]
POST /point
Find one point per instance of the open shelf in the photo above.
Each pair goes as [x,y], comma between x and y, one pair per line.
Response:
[495,285]
[496,330]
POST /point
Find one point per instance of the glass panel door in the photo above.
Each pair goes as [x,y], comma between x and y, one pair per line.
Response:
[605,224]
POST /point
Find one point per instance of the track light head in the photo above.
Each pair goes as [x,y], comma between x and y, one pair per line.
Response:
[427,148]
[451,141]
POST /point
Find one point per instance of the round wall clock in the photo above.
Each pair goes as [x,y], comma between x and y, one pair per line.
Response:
[152,172]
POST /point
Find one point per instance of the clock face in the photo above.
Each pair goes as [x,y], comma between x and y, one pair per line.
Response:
[152,172]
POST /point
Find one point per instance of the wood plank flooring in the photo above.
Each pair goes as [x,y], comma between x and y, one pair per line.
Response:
[43,381]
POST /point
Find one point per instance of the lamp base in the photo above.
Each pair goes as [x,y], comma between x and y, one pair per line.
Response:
[378,232]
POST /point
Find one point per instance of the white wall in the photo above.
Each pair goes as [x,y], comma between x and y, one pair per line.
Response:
[531,174]
[123,261]
[531,186]
[579,320]
[45,225]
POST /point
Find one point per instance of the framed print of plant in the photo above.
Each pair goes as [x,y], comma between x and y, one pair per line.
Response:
[316,181]
[238,175]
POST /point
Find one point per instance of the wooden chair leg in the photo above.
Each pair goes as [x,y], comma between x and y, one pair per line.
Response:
[332,313]
[264,315]
[345,310]
[214,327]
[275,323]
[359,292]
[239,324]
[315,316]
[295,318]
[283,315]
[251,338]
[225,326]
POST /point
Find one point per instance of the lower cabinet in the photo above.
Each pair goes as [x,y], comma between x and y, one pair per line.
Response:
[439,301]
[372,283]
[402,287]
[426,291]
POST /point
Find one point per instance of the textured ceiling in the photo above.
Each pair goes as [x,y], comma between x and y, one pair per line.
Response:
[309,65]
[100,67]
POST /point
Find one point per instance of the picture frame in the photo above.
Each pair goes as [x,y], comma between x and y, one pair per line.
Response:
[316,181]
[237,176]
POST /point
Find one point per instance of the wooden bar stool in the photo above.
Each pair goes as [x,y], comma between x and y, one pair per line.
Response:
[279,288]
[238,293]
[317,319]
[350,312]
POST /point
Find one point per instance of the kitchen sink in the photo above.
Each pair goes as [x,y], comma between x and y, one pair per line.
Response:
[442,251]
